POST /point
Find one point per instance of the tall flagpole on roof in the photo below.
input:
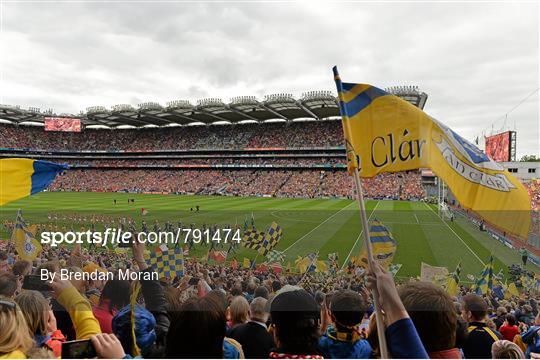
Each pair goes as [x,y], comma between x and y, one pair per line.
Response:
[365,226]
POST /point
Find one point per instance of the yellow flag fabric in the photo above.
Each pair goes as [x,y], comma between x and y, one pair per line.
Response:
[23,177]
[26,245]
[512,290]
[246,263]
[321,266]
[383,245]
[384,133]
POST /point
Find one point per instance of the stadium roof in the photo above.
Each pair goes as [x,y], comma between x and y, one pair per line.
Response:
[315,105]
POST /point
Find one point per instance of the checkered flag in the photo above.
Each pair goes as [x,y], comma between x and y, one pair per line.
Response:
[275,256]
[168,263]
[271,238]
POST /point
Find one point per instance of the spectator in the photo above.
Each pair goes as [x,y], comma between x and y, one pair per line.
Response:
[115,296]
[9,285]
[481,337]
[509,329]
[343,339]
[15,341]
[238,311]
[295,319]
[254,337]
[504,349]
[205,336]
[433,314]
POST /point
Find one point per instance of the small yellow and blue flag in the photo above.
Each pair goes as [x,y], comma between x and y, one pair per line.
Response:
[485,281]
[452,287]
[26,245]
[384,133]
[23,177]
[383,245]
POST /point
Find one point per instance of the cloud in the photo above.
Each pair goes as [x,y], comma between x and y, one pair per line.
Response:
[475,60]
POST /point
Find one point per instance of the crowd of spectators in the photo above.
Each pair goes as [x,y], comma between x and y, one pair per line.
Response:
[170,162]
[305,134]
[230,311]
[533,187]
[280,183]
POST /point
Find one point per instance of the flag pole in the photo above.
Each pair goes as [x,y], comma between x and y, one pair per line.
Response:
[367,243]
[356,164]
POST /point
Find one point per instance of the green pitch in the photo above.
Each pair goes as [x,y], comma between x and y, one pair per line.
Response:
[309,225]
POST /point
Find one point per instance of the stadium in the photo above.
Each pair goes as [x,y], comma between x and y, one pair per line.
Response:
[280,159]
[271,209]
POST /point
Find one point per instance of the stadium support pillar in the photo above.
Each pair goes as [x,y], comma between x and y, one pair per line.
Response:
[367,243]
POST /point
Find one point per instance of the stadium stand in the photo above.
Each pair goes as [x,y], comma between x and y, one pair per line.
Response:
[285,159]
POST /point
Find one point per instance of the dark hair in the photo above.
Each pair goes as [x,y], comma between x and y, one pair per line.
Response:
[197,329]
[261,291]
[295,315]
[276,285]
[3,255]
[476,305]
[348,308]
[118,293]
[20,267]
[433,313]
[8,284]
[511,319]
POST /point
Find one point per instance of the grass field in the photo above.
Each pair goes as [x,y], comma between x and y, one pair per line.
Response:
[309,225]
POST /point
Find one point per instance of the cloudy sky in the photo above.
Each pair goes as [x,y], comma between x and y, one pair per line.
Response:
[476,60]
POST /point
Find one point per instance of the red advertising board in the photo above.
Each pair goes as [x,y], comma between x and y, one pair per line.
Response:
[62,124]
[498,146]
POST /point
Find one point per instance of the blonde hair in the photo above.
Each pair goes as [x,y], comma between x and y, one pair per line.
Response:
[239,310]
[504,349]
[35,309]
[14,334]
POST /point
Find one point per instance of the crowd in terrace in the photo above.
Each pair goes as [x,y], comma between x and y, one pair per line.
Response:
[226,310]
[289,161]
[533,187]
[306,183]
[305,134]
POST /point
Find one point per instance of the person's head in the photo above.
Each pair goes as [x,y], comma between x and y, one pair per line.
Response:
[21,268]
[14,334]
[116,293]
[9,285]
[295,317]
[36,311]
[239,310]
[501,311]
[276,285]
[197,329]
[347,310]
[261,291]
[91,268]
[50,266]
[504,349]
[433,313]
[320,297]
[510,319]
[145,328]
[474,308]
[258,310]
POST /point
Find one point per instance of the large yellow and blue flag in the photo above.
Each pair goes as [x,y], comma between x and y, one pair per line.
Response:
[26,245]
[485,281]
[383,245]
[384,133]
[23,177]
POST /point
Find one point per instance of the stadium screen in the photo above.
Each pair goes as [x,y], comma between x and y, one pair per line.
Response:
[62,124]
[498,146]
